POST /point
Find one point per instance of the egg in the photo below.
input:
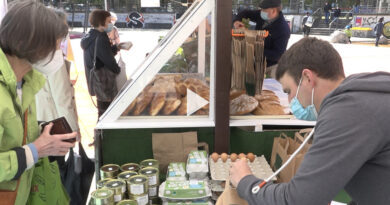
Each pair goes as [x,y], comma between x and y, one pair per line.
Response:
[241,155]
[251,157]
[233,157]
[215,156]
[224,157]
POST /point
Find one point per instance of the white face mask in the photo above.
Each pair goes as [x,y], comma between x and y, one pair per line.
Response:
[49,66]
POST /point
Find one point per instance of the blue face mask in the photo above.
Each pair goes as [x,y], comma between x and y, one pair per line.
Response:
[109,28]
[309,113]
[264,15]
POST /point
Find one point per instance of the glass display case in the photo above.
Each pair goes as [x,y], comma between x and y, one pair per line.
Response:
[175,84]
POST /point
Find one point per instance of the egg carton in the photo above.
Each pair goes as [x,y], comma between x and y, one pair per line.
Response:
[197,165]
[189,203]
[220,170]
[192,190]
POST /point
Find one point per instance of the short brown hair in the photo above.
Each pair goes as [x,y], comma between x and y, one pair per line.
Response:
[314,54]
[98,17]
[30,31]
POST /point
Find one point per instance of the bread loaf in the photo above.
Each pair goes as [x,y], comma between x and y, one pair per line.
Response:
[157,103]
[171,105]
[267,98]
[130,108]
[242,105]
[269,107]
[236,93]
[181,88]
[143,101]
[183,107]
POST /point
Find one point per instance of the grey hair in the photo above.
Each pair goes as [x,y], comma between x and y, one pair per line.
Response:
[30,31]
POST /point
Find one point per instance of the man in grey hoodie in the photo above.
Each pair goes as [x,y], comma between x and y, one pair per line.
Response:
[351,145]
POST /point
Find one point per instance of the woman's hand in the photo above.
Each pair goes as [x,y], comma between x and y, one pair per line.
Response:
[53,145]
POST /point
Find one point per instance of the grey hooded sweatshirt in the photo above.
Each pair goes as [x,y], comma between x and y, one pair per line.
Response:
[351,150]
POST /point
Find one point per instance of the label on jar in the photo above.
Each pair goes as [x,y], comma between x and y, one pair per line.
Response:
[103,194]
[152,191]
[138,180]
[137,189]
[153,180]
[118,198]
[143,200]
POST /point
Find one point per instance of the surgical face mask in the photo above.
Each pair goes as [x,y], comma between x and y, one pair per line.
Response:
[109,28]
[264,15]
[309,113]
[48,66]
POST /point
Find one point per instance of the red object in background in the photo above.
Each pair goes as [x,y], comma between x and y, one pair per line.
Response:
[358,21]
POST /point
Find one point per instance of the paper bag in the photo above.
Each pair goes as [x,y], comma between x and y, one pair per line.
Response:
[173,147]
[230,196]
[283,148]
[121,78]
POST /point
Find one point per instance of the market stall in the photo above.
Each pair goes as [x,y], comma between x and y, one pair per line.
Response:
[186,85]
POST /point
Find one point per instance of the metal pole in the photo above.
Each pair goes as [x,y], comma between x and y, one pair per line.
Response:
[72,5]
[86,17]
[105,5]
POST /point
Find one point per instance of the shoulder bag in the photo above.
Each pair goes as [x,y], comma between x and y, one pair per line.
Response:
[102,81]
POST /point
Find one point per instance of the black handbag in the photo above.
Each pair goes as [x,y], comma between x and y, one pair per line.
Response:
[102,81]
[76,175]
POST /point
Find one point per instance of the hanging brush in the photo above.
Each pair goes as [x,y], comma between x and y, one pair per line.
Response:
[238,72]
[250,79]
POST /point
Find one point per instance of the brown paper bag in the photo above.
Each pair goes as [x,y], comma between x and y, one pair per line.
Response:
[283,148]
[173,147]
[301,135]
[230,196]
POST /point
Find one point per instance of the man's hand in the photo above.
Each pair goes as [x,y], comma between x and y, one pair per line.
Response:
[52,145]
[238,24]
[238,171]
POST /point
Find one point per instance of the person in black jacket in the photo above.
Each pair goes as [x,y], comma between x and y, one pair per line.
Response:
[336,15]
[378,30]
[270,18]
[101,23]
[327,9]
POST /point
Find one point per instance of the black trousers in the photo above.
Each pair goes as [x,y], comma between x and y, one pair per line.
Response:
[102,107]
[377,40]
[306,30]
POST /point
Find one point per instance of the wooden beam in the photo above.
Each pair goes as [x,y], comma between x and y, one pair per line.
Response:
[202,48]
[223,74]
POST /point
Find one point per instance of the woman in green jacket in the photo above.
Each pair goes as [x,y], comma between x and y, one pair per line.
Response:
[30,34]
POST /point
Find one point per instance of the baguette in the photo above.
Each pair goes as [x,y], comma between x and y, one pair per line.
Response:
[183,107]
[143,101]
[171,105]
[157,103]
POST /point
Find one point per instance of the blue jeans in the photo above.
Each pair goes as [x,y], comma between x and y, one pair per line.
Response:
[327,14]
